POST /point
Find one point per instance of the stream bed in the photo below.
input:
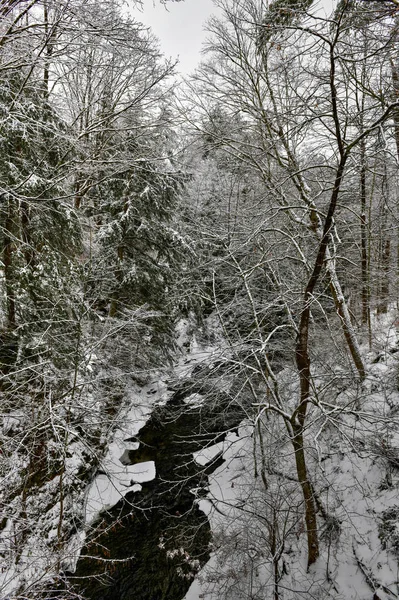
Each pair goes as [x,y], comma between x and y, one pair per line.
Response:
[154,540]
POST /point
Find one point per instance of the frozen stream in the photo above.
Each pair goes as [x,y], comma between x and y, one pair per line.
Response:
[151,537]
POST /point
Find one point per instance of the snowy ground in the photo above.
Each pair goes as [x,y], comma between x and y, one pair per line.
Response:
[357,481]
[32,552]
[118,478]
[354,460]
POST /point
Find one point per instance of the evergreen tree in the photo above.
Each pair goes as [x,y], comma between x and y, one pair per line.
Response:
[39,232]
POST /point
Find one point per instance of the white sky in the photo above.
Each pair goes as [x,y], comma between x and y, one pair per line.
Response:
[179,27]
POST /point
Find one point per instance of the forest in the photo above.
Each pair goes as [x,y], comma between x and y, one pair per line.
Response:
[199,294]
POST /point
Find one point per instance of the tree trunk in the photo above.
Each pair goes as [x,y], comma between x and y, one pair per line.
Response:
[8,340]
[363,238]
[310,505]
[395,113]
[317,228]
[9,248]
[384,258]
[28,249]
[303,366]
[343,313]
[6,6]
[50,33]
[340,304]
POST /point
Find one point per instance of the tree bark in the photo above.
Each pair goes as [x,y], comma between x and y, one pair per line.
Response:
[29,252]
[6,6]
[363,237]
[395,113]
[395,116]
[343,313]
[9,248]
[310,505]
[384,258]
[303,366]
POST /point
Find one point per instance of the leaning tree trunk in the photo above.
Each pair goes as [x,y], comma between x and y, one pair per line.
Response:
[323,258]
[307,490]
[303,366]
[302,346]
[317,227]
[6,6]
[336,292]
[343,313]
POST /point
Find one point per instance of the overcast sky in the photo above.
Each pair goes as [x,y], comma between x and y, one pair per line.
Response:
[179,27]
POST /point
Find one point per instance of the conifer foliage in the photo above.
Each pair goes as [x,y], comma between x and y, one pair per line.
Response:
[262,219]
[88,247]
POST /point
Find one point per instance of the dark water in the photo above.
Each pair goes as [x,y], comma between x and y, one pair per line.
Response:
[151,544]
